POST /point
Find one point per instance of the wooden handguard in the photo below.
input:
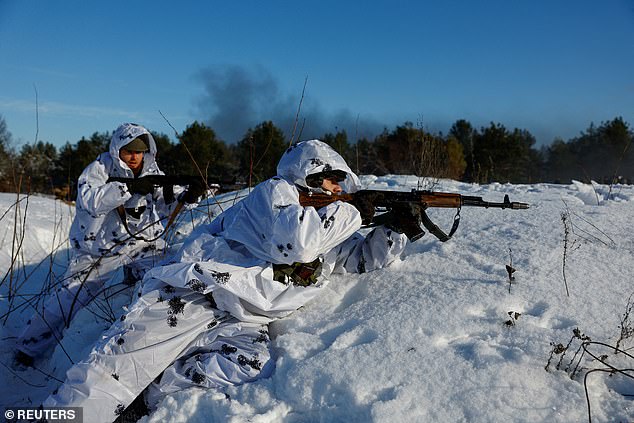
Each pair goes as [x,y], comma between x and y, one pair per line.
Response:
[385,199]
[439,199]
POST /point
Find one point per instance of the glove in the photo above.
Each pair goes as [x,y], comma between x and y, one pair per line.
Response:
[395,221]
[196,189]
[365,205]
[140,186]
[403,217]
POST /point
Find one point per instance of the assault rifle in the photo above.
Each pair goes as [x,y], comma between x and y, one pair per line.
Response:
[412,204]
[163,180]
[168,182]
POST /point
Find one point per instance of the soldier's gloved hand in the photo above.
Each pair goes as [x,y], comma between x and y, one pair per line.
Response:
[366,208]
[396,221]
[140,186]
[196,189]
[401,217]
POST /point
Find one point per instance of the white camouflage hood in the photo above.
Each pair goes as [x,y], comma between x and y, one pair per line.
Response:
[122,136]
[314,156]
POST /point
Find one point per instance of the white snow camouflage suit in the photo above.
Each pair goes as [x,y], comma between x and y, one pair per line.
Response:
[99,241]
[202,320]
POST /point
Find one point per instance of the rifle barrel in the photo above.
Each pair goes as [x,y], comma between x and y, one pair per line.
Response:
[507,204]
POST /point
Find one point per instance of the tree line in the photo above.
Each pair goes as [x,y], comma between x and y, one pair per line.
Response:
[482,155]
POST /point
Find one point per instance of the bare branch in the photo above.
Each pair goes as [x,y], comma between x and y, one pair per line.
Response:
[299,108]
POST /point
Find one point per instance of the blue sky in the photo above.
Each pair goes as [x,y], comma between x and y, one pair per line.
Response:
[551,67]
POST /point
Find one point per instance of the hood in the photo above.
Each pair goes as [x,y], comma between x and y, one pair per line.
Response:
[310,157]
[122,136]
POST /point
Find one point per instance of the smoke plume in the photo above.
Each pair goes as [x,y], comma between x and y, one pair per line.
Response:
[236,98]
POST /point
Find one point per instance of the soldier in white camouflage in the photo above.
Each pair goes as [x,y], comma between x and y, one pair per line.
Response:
[116,226]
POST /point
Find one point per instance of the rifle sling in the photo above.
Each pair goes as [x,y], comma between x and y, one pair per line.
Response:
[427,223]
[124,220]
[121,211]
[435,230]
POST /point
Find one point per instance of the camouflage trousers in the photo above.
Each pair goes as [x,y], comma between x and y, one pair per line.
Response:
[84,281]
[171,339]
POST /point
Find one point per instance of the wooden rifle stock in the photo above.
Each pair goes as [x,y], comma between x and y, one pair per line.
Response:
[316,200]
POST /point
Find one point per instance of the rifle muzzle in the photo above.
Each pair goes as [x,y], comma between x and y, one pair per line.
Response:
[515,205]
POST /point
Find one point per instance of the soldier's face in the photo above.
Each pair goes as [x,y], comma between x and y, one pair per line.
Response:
[332,185]
[134,159]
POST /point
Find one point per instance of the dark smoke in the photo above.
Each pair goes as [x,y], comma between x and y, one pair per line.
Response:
[236,98]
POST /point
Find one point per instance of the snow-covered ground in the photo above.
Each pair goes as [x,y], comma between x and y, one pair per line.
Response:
[440,336]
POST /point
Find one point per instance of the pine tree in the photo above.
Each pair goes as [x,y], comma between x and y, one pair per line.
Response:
[200,153]
[259,151]
[464,133]
[7,158]
[456,162]
[38,164]
[72,160]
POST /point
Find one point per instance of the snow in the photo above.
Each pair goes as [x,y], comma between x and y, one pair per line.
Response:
[440,335]
[43,223]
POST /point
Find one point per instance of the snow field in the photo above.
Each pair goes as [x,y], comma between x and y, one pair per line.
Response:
[429,338]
